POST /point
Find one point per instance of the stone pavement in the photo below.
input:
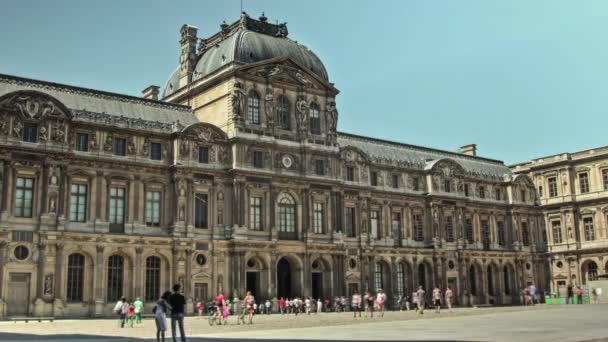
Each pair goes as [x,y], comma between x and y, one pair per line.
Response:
[519,324]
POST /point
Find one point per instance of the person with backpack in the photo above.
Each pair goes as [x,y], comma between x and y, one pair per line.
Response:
[160,316]
[177,301]
[118,310]
[437,299]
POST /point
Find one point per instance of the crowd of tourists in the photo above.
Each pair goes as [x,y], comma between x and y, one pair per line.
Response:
[172,305]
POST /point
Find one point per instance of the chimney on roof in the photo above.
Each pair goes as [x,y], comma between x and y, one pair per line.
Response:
[187,60]
[470,149]
[151,93]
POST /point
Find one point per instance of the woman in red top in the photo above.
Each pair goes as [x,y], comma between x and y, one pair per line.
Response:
[249,301]
[282,305]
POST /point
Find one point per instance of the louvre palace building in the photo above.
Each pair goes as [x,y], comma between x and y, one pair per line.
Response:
[234,178]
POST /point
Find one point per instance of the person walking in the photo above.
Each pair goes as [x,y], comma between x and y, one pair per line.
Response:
[160,316]
[380,300]
[579,295]
[319,306]
[532,291]
[131,315]
[421,300]
[570,294]
[437,299]
[118,311]
[177,301]
[369,304]
[449,296]
[268,307]
[220,303]
[139,306]
[415,300]
[407,303]
[282,306]
[250,302]
[356,303]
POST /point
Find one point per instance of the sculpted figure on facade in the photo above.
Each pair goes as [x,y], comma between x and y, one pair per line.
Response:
[239,101]
[4,121]
[302,113]
[109,145]
[332,116]
[145,148]
[42,134]
[58,132]
[269,107]
[131,146]
[17,128]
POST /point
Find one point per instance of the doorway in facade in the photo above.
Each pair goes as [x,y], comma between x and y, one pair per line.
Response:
[252,283]
[18,294]
[317,285]
[284,279]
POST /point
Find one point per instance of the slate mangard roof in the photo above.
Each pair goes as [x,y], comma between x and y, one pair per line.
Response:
[417,157]
[105,107]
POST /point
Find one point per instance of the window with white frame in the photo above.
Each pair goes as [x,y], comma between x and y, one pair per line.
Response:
[318,217]
[589,230]
[255,213]
[153,208]
[556,229]
[117,205]
[552,183]
[78,202]
[253,108]
[24,197]
[583,179]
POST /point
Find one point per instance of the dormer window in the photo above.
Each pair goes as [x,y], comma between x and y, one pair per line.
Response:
[315,120]
[482,192]
[446,185]
[374,178]
[253,108]
[30,132]
[498,194]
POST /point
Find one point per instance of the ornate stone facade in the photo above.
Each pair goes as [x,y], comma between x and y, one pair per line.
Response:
[249,187]
[573,189]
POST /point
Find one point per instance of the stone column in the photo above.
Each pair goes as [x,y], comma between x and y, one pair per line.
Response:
[99,277]
[188,282]
[444,273]
[39,302]
[3,245]
[175,268]
[59,290]
[415,283]
[7,189]
[138,268]
[436,266]
[461,280]
[484,282]
[306,277]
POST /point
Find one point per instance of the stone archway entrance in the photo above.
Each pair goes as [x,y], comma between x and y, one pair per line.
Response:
[284,279]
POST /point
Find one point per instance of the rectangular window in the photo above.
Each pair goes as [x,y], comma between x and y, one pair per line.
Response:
[485,234]
[258,159]
[557,231]
[350,174]
[200,211]
[82,142]
[418,227]
[320,167]
[589,231]
[153,208]
[117,205]
[120,146]
[501,233]
[395,181]
[498,194]
[22,236]
[351,230]
[525,234]
[446,185]
[605,179]
[24,197]
[523,195]
[374,222]
[155,151]
[373,178]
[540,191]
[449,229]
[30,132]
[416,184]
[203,155]
[552,181]
[482,192]
[468,227]
[78,202]
[466,190]
[318,218]
[396,224]
[583,179]
[255,213]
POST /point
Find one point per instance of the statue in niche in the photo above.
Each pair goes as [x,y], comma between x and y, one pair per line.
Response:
[302,113]
[17,128]
[269,107]
[58,133]
[238,101]
[42,134]
[52,205]
[332,117]
[48,285]
[181,213]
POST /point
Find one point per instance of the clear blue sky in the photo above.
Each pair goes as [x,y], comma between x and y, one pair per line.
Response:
[521,79]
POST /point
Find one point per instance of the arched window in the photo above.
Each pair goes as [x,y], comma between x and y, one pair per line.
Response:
[152,278]
[287,217]
[592,271]
[505,274]
[490,275]
[422,275]
[315,119]
[283,112]
[253,108]
[115,277]
[378,274]
[472,281]
[400,279]
[75,281]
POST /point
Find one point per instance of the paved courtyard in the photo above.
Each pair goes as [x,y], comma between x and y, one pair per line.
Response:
[540,323]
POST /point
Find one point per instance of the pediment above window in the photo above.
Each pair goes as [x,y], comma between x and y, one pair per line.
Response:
[34,105]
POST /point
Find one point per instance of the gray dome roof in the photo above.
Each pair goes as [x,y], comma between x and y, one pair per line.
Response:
[247,46]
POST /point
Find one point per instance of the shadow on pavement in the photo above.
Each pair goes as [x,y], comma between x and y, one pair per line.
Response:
[10,337]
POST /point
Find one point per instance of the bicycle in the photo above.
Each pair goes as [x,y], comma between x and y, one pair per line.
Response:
[214,316]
